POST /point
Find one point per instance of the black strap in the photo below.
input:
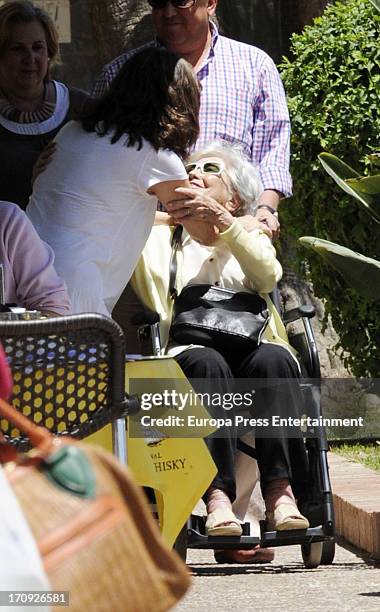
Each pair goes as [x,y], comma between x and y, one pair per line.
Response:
[175,243]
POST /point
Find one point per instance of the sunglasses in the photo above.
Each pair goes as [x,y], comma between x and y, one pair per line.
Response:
[179,4]
[206,167]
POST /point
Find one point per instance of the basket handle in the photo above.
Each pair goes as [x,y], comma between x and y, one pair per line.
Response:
[40,437]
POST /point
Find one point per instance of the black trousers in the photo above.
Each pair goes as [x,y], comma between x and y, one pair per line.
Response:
[280,455]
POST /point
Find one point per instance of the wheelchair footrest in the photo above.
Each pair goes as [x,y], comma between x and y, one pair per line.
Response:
[197,523]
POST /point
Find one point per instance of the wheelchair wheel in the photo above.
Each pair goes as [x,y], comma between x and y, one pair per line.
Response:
[312,554]
[328,552]
[180,545]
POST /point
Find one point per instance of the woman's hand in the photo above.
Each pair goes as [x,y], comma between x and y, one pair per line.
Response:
[44,159]
[162,218]
[197,204]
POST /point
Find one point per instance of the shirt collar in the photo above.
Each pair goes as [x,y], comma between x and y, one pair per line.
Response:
[211,53]
[214,34]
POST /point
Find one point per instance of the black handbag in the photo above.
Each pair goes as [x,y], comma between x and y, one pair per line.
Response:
[226,320]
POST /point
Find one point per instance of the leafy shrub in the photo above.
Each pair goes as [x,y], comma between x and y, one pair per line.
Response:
[333,87]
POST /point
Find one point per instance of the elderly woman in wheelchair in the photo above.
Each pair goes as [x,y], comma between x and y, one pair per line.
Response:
[216,249]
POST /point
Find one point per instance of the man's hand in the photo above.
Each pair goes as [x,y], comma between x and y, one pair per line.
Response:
[43,160]
[251,223]
[265,217]
[270,198]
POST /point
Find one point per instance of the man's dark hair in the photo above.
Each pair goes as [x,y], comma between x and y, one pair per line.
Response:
[154,96]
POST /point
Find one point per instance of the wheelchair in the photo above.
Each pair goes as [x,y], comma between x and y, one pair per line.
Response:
[58,342]
[318,541]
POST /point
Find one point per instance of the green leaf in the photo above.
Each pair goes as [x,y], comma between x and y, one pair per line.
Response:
[366,184]
[360,272]
[374,158]
[376,4]
[341,172]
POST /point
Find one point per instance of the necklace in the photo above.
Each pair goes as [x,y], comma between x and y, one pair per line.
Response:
[10,112]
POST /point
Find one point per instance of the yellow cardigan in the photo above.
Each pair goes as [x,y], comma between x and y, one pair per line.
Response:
[250,254]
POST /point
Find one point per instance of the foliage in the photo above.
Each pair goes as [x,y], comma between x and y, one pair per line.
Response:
[333,83]
[360,272]
[365,189]
[368,455]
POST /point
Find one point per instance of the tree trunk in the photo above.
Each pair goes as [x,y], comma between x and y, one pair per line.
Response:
[119,25]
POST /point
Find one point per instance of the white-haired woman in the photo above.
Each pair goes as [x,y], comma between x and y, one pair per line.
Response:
[216,249]
[244,180]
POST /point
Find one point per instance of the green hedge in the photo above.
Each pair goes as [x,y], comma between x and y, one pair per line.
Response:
[333,88]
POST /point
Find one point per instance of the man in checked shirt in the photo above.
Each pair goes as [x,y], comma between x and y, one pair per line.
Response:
[242,100]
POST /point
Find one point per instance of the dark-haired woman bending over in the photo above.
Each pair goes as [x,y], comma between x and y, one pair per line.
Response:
[95,202]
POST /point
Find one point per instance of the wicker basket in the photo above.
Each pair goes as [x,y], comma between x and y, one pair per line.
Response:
[101,545]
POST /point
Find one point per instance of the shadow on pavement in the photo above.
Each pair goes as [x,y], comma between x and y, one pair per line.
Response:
[362,554]
[210,569]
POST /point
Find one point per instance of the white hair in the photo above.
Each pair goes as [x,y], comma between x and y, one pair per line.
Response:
[243,176]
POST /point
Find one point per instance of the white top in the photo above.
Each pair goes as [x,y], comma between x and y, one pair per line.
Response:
[216,265]
[91,206]
[62,104]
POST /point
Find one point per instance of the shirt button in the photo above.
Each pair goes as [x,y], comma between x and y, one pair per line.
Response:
[216,283]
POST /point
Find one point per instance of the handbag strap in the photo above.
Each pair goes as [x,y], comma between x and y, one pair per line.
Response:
[175,243]
[40,437]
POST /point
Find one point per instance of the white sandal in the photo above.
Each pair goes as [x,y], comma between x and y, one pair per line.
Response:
[223,522]
[286,517]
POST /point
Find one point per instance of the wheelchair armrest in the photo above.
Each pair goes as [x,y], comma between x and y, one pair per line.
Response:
[305,311]
[306,346]
[145,317]
[148,323]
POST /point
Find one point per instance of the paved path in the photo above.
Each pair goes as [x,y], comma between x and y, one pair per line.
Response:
[350,584]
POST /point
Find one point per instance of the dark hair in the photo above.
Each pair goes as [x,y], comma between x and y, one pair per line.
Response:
[155,96]
[14,13]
